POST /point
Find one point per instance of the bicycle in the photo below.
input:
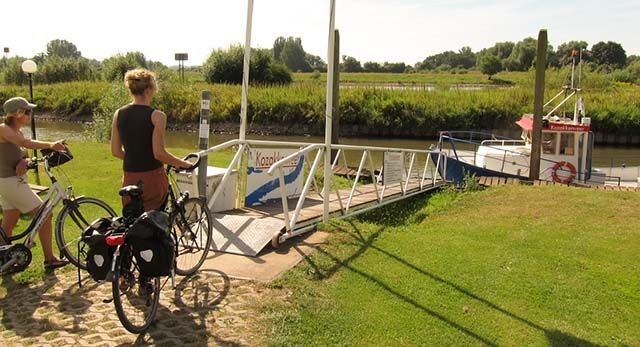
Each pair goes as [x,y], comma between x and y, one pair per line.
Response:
[75,216]
[135,296]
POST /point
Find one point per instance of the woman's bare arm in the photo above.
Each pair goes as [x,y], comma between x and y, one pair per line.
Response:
[116,143]
[159,120]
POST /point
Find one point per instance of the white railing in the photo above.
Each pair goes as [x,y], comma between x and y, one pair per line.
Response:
[366,161]
[414,179]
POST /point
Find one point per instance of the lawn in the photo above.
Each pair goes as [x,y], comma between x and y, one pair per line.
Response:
[93,172]
[514,265]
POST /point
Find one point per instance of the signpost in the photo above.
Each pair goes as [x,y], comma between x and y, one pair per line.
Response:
[205,107]
[181,58]
[393,168]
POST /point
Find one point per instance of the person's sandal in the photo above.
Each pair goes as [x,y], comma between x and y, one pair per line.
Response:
[50,265]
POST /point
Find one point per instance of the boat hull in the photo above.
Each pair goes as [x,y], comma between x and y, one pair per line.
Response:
[455,170]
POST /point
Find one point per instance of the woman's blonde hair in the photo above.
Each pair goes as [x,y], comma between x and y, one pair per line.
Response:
[139,80]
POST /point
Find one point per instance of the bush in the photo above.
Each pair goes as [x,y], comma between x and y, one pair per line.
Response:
[225,66]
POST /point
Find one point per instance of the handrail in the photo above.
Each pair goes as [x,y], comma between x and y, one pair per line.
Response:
[220,147]
[382,149]
[290,157]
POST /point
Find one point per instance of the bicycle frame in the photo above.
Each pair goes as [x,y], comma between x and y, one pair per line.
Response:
[55,195]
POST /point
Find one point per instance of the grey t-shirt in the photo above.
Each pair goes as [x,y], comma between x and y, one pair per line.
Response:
[10,156]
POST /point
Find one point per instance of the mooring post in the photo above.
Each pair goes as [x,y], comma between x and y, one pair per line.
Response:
[205,107]
[335,131]
[536,138]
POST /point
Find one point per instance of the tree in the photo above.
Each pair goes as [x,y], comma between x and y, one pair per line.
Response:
[522,55]
[371,66]
[316,63]
[350,64]
[62,49]
[394,67]
[225,66]
[290,52]
[609,53]
[490,65]
[566,49]
[114,67]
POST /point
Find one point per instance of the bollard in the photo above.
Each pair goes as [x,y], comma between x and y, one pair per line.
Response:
[205,101]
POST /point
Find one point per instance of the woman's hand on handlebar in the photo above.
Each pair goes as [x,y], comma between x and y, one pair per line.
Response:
[57,146]
[189,163]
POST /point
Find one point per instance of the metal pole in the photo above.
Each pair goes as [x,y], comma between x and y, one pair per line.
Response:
[33,124]
[205,102]
[335,126]
[329,112]
[245,72]
[536,138]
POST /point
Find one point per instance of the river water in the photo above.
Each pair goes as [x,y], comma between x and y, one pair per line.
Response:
[603,156]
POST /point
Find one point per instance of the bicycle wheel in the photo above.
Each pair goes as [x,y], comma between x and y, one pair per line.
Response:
[192,227]
[135,297]
[71,222]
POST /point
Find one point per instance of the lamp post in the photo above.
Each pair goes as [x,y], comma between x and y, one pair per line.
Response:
[29,67]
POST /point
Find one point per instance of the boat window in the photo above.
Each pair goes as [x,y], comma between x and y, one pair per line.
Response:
[549,143]
[567,143]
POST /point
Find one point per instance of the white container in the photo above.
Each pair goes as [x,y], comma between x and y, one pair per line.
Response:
[586,120]
[227,198]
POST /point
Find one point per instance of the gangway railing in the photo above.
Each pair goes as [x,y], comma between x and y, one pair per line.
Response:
[348,208]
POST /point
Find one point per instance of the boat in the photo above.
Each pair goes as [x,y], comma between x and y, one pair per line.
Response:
[566,146]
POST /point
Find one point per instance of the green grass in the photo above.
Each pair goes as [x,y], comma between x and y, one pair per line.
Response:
[513,265]
[95,173]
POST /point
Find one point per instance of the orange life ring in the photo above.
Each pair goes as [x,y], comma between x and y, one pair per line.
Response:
[558,166]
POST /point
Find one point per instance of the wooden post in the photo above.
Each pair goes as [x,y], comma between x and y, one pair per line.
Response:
[205,116]
[335,132]
[536,136]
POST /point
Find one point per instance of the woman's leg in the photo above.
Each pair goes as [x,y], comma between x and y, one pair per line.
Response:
[45,237]
[10,220]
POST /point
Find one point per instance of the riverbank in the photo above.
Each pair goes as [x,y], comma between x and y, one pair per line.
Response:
[298,109]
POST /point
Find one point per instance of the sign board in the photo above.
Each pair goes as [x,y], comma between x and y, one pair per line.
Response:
[182,56]
[6,49]
[393,169]
[262,187]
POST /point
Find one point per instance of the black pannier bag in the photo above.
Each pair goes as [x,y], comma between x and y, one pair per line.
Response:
[99,255]
[153,247]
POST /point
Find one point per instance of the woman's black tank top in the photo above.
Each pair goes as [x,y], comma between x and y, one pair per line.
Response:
[136,130]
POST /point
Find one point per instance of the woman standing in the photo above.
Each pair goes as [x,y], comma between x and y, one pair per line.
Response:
[137,137]
[15,194]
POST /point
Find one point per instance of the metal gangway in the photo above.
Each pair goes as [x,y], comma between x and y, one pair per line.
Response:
[247,215]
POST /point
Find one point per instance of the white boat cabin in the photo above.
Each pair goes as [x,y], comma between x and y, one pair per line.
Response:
[566,151]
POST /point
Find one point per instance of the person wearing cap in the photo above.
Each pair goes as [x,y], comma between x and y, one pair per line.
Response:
[137,137]
[15,194]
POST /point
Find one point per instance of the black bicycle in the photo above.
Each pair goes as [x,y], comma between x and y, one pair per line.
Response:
[188,221]
[72,220]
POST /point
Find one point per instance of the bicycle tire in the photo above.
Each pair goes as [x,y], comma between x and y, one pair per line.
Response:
[133,293]
[89,209]
[186,243]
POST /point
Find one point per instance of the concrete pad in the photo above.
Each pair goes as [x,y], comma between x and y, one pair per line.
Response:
[270,263]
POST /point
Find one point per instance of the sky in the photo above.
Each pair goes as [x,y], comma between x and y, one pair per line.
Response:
[370,30]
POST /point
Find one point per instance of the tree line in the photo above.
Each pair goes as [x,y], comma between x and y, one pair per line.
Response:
[63,62]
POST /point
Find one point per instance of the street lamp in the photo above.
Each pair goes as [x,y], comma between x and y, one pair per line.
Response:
[30,67]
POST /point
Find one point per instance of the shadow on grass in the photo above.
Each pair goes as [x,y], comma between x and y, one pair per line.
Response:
[554,337]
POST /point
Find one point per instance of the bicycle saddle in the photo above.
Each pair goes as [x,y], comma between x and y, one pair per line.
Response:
[132,190]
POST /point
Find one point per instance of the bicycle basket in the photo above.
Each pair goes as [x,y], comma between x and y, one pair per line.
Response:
[99,255]
[153,247]
[55,158]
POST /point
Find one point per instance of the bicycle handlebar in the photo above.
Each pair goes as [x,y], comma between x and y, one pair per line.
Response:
[187,158]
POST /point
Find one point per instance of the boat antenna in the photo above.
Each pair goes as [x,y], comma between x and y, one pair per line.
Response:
[574,55]
[580,69]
